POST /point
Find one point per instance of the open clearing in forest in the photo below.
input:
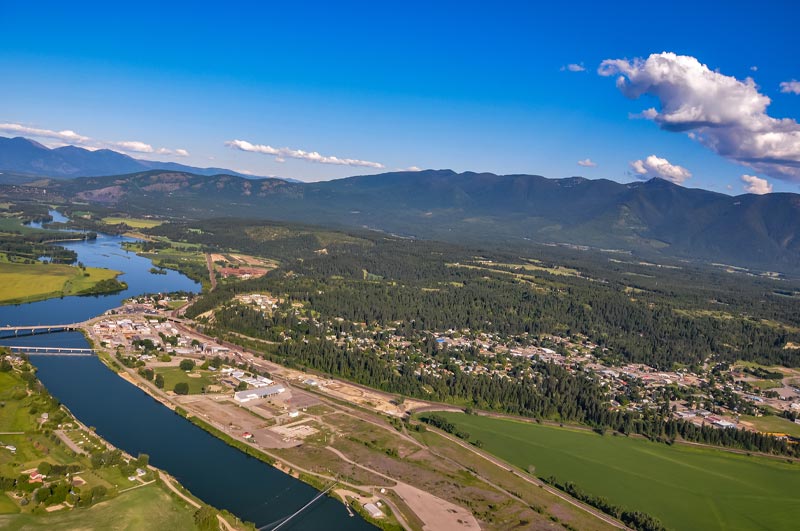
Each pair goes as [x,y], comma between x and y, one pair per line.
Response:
[684,487]
[136,223]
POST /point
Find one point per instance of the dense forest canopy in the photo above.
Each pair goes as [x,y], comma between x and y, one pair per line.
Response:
[642,313]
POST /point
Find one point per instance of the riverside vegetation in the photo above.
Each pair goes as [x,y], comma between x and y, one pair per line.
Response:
[45,483]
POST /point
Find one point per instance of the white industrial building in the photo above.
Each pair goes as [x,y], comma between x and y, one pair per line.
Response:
[261,392]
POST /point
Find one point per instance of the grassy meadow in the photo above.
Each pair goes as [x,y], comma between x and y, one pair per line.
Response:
[33,282]
[684,487]
[773,424]
[136,223]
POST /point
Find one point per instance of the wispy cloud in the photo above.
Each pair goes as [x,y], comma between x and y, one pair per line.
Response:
[573,67]
[283,153]
[587,163]
[721,112]
[654,166]
[71,137]
[64,136]
[790,87]
[756,185]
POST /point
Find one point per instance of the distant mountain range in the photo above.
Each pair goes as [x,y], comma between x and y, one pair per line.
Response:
[652,219]
[26,157]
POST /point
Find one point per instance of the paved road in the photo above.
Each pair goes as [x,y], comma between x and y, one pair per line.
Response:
[69,442]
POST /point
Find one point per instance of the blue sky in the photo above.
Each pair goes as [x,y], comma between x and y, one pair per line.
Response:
[469,86]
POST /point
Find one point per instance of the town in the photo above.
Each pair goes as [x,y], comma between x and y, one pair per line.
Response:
[167,350]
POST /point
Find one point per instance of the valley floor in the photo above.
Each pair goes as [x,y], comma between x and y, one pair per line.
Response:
[684,487]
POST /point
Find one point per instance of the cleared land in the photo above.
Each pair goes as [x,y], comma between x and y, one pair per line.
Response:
[684,487]
[33,282]
[147,507]
[136,223]
[772,424]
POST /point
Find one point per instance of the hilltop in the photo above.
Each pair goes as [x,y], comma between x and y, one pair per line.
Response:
[23,157]
[653,218]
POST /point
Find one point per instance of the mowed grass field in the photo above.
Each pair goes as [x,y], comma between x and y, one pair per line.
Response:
[687,488]
[30,282]
[773,424]
[136,223]
[173,375]
[143,508]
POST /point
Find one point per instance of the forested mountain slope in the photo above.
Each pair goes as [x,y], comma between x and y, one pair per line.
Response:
[653,218]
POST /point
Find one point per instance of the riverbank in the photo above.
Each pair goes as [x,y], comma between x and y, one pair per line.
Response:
[328,432]
[317,481]
[57,473]
[23,283]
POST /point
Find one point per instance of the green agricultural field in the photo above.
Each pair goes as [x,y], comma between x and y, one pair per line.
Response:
[143,508]
[684,487]
[173,375]
[136,223]
[34,282]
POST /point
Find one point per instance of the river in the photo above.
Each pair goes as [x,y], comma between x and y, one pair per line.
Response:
[132,420]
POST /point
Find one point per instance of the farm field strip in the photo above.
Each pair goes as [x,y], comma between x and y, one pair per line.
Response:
[685,488]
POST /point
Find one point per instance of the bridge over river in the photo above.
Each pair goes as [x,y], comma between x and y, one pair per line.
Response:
[32,330]
[50,351]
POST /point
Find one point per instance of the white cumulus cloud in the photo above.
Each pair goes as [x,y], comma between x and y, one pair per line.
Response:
[587,163]
[725,114]
[790,87]
[573,67]
[654,166]
[310,156]
[134,145]
[756,185]
[172,152]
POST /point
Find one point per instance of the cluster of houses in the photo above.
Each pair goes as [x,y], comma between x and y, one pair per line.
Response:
[121,332]
[240,376]
[263,302]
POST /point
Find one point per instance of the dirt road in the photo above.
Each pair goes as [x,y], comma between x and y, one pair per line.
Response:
[212,276]
[533,481]
[435,512]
